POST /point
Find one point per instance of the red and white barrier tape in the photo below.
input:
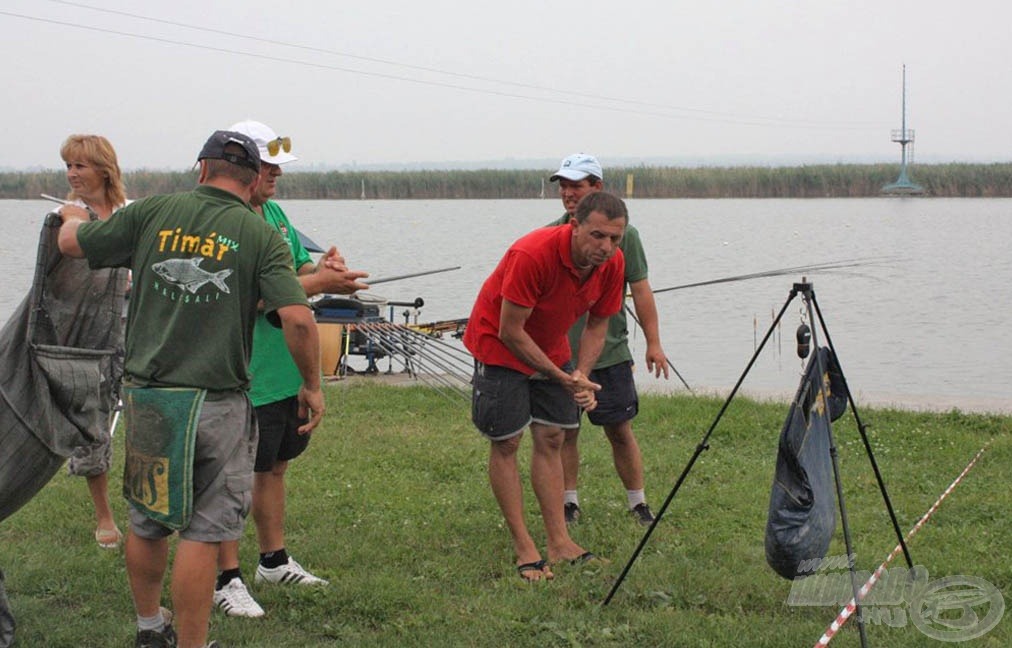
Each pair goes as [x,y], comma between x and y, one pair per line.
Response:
[848,609]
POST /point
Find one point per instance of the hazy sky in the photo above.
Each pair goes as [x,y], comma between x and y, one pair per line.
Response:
[406,81]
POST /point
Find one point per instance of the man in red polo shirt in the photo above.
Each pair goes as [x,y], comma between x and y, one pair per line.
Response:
[524,374]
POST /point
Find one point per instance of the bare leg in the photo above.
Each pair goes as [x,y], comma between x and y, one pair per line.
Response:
[268,513]
[98,488]
[625,452]
[228,555]
[546,477]
[571,459]
[146,561]
[504,477]
[192,587]
[269,507]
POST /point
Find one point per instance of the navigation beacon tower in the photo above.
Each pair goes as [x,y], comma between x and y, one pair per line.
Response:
[904,136]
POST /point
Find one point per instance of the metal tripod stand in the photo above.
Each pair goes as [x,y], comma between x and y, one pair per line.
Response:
[804,288]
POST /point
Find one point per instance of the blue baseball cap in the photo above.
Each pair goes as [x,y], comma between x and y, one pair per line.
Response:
[578,166]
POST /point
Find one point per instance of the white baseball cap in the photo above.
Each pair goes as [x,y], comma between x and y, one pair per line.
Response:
[266,139]
[576,167]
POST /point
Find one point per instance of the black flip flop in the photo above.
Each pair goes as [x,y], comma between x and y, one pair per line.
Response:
[538,565]
[587,558]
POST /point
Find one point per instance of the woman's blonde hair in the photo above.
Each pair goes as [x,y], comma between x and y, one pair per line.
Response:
[98,152]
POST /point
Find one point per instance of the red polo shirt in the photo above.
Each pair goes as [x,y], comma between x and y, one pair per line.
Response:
[538,272]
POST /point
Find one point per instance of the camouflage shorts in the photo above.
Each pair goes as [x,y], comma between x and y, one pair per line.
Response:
[91,460]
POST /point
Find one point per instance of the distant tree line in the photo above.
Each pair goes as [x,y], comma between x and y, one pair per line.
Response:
[814,181]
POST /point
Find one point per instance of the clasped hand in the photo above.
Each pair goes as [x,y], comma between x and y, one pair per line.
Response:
[338,279]
[583,390]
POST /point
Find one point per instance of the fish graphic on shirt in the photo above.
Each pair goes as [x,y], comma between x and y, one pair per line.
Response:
[188,274]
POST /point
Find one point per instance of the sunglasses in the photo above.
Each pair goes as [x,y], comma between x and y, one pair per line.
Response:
[275,146]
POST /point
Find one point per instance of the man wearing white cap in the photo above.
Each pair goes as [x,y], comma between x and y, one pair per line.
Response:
[578,175]
[271,391]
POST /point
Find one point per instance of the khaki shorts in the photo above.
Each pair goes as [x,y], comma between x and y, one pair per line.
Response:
[222,473]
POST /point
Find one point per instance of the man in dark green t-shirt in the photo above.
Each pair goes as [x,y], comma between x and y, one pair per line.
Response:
[578,175]
[201,262]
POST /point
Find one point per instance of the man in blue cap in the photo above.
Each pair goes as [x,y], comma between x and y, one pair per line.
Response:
[578,175]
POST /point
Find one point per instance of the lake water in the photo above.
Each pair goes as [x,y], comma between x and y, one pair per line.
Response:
[926,329]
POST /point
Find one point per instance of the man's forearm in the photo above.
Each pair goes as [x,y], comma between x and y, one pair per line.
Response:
[591,343]
[512,320]
[302,338]
[311,284]
[310,280]
[646,311]
[323,278]
[67,238]
[527,351]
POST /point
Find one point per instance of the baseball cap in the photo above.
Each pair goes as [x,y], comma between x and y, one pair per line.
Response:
[262,134]
[214,149]
[578,166]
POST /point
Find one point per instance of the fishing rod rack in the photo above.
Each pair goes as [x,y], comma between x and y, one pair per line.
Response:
[416,348]
[350,313]
[814,313]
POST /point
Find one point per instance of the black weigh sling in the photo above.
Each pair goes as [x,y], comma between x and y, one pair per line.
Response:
[802,513]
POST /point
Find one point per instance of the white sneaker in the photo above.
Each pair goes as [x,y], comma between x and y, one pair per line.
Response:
[292,572]
[235,600]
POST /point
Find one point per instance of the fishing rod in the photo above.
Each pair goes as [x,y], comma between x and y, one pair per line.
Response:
[441,366]
[61,201]
[373,282]
[829,265]
[55,199]
[666,359]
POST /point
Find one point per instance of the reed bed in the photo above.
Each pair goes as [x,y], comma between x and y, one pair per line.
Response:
[952,180]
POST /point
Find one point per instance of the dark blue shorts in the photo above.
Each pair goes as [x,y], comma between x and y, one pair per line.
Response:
[279,436]
[504,402]
[617,401]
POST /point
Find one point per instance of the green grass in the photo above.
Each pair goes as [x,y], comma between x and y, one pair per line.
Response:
[392,504]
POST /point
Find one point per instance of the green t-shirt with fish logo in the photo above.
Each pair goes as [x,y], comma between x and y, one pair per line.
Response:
[201,260]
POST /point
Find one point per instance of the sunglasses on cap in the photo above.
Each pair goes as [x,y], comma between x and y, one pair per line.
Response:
[275,146]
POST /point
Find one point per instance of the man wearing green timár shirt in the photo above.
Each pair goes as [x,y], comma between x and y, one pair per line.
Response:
[201,261]
[273,389]
[578,175]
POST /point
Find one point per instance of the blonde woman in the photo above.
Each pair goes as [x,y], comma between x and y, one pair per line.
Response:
[96,191]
